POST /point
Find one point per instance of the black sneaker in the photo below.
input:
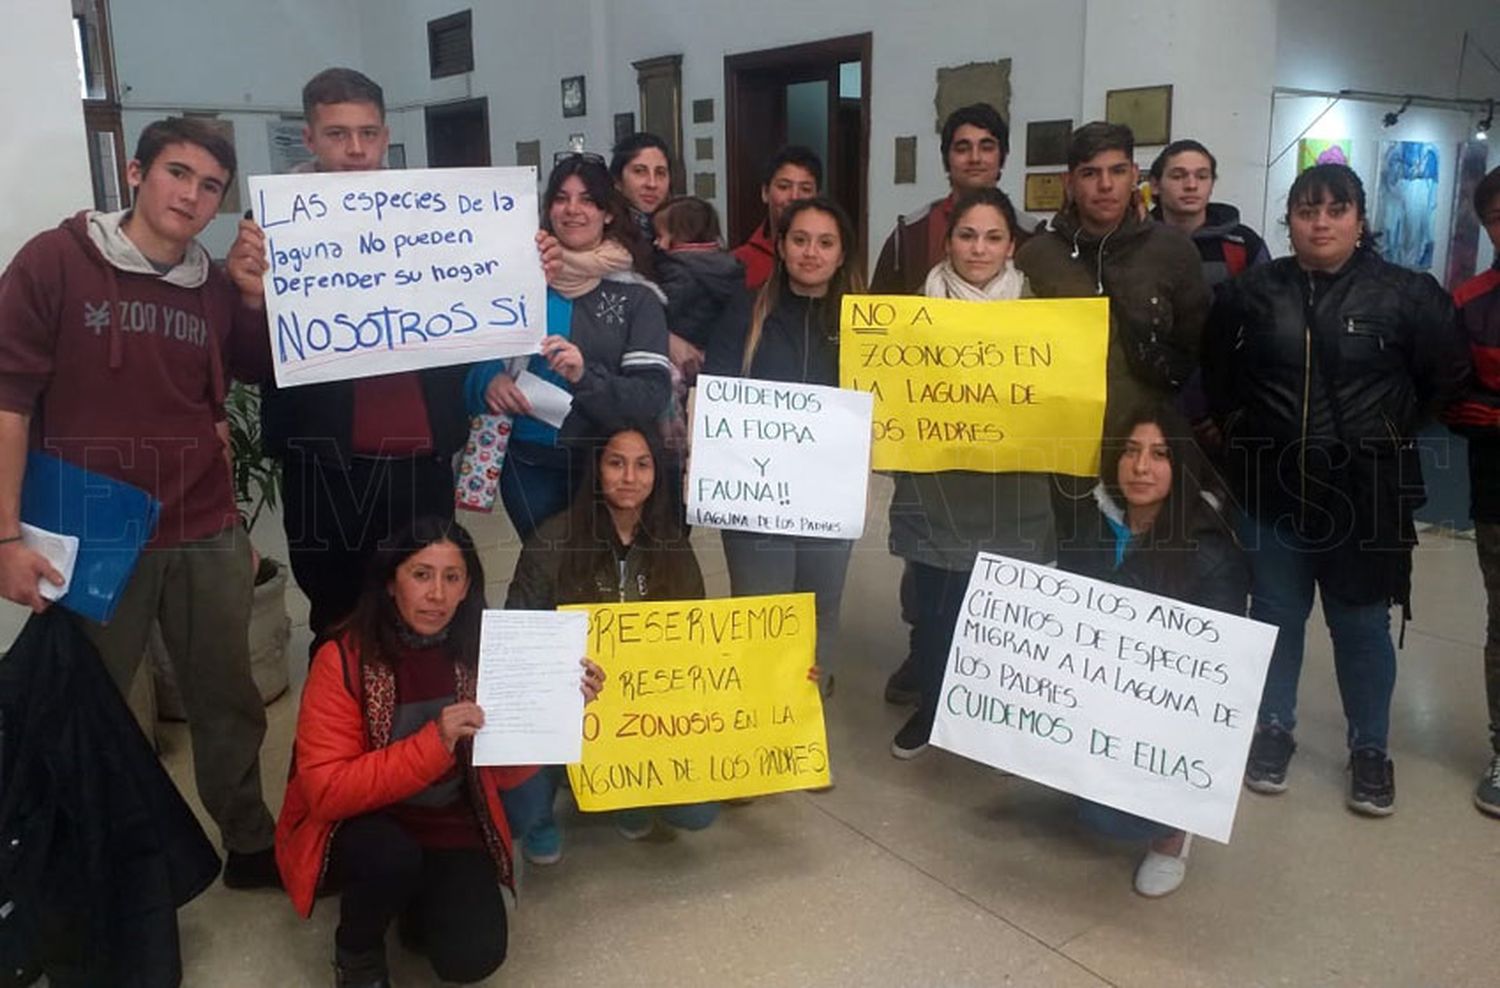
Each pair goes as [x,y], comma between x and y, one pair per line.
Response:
[256,870]
[1487,793]
[904,688]
[912,739]
[1270,753]
[360,969]
[1372,782]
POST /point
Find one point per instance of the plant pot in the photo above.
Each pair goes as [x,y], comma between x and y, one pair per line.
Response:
[270,628]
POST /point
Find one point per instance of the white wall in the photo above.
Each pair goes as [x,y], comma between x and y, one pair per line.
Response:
[44,164]
[245,62]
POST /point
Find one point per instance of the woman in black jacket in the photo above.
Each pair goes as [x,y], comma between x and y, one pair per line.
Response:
[1321,367]
[792,334]
[1160,528]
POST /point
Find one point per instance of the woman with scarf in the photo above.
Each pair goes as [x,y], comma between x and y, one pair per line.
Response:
[607,345]
[941,521]
[384,804]
[792,334]
[641,167]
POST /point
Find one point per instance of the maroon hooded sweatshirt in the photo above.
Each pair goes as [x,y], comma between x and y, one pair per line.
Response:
[121,367]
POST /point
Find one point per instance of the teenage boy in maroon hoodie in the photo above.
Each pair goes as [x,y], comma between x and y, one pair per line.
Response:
[113,333]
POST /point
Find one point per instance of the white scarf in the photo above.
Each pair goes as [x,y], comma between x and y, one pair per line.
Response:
[944,282]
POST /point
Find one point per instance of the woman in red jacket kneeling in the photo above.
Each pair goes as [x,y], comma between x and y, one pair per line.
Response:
[383,803]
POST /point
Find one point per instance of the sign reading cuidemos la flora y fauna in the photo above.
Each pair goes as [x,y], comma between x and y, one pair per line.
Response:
[705,700]
[987,386]
[1141,702]
[377,272]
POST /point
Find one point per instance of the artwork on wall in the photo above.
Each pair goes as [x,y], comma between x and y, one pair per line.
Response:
[1406,203]
[624,126]
[284,138]
[977,82]
[1044,192]
[705,185]
[1146,110]
[395,156]
[1319,151]
[703,111]
[1463,245]
[1047,142]
[529,153]
[703,148]
[574,98]
[906,160]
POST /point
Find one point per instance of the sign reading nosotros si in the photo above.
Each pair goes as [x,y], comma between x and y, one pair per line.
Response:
[986,386]
[376,272]
[1137,701]
[705,700]
[791,459]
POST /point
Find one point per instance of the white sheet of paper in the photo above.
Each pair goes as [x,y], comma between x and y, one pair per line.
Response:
[529,687]
[549,403]
[61,551]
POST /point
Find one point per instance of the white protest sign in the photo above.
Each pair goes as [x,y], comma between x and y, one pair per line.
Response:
[376,272]
[789,459]
[1136,701]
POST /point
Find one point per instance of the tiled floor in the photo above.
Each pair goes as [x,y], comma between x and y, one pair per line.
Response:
[940,872]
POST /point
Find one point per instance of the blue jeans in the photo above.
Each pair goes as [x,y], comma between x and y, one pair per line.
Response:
[1120,825]
[529,806]
[1284,572]
[536,482]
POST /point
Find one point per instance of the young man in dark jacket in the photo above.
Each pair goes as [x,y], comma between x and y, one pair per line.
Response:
[360,459]
[1099,245]
[1478,418]
[113,335]
[1182,181]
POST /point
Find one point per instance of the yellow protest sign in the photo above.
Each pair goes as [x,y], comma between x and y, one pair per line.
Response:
[705,700]
[987,386]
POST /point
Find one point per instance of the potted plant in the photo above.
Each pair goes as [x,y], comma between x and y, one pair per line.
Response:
[256,485]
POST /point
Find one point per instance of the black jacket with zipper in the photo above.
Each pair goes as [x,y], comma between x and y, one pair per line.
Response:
[799,343]
[1319,383]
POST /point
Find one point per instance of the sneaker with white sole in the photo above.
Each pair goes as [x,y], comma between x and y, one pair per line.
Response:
[1161,874]
[912,739]
[1487,793]
[542,845]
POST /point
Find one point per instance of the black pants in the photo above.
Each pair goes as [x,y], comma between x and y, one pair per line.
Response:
[335,518]
[939,596]
[450,901]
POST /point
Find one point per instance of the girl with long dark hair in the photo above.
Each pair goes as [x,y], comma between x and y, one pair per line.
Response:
[1160,527]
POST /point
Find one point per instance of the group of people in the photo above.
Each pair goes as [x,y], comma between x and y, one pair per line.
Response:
[1258,444]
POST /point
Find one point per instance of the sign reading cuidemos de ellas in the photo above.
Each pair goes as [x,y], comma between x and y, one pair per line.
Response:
[987,386]
[705,700]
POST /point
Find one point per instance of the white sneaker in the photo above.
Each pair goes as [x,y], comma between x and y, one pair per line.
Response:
[1161,874]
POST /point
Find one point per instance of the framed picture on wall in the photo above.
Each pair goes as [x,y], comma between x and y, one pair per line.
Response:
[1146,110]
[624,126]
[574,99]
[395,155]
[1047,142]
[1044,192]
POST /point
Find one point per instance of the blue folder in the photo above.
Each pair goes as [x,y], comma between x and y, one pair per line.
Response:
[111,519]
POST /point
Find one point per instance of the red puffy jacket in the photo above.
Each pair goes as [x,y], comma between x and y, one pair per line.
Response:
[342,767]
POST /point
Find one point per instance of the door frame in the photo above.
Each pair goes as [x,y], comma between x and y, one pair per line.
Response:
[847,48]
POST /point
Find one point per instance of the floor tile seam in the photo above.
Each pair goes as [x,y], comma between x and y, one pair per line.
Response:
[848,825]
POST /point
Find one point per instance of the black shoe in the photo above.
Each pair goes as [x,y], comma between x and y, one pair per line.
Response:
[360,969]
[912,739]
[1270,753]
[1372,782]
[904,688]
[256,870]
